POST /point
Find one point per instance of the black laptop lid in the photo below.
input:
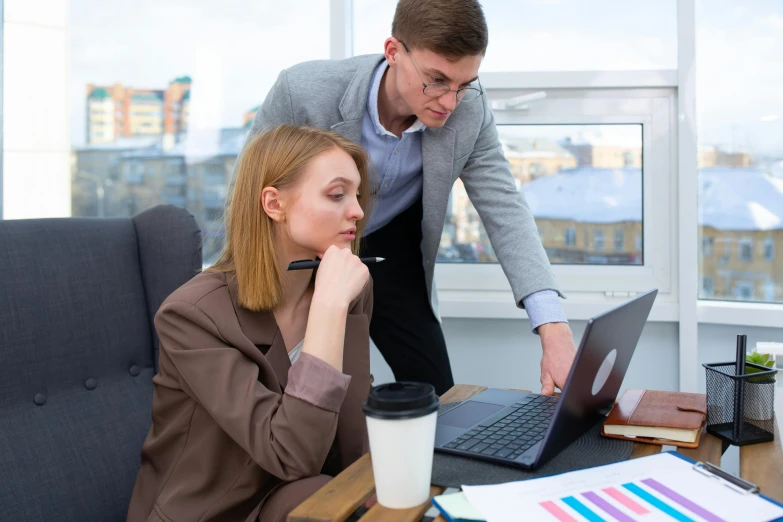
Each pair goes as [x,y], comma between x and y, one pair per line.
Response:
[607,346]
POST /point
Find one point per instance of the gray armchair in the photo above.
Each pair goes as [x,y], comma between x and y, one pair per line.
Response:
[77,354]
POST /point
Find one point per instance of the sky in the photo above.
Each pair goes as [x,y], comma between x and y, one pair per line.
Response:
[235,49]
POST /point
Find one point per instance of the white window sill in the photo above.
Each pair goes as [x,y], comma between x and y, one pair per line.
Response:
[744,314]
[578,307]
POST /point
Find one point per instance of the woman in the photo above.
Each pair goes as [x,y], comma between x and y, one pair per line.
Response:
[262,371]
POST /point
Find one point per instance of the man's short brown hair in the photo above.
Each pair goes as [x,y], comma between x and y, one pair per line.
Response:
[451,28]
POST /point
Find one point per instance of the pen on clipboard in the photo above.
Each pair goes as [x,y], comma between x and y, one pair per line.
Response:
[732,481]
[308,264]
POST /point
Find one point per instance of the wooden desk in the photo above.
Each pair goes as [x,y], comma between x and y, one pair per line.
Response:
[761,464]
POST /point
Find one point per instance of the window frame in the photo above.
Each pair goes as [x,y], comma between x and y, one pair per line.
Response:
[460,283]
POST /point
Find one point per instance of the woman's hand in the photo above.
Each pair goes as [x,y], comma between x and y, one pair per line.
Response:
[340,278]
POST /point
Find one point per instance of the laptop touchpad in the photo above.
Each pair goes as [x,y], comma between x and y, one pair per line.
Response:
[468,414]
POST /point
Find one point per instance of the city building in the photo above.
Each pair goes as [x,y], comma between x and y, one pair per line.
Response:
[620,150]
[715,157]
[594,216]
[119,111]
[129,175]
[95,170]
[741,234]
[531,158]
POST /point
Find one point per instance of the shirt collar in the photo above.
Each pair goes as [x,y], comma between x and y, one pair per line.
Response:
[372,104]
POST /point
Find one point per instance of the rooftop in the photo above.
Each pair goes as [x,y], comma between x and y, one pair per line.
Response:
[730,198]
[99,94]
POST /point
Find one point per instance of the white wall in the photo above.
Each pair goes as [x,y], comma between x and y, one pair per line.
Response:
[36,146]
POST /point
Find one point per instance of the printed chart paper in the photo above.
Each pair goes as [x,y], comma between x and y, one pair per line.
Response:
[657,488]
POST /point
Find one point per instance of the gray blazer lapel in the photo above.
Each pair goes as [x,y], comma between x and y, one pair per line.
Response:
[437,151]
[354,102]
[351,129]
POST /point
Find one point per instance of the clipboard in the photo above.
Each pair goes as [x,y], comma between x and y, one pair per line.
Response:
[657,483]
[733,482]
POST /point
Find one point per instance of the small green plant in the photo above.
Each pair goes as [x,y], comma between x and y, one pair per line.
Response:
[762,359]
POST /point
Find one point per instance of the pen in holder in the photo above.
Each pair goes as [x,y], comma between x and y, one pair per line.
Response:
[740,399]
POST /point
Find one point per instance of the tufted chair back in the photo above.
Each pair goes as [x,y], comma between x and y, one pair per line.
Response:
[77,354]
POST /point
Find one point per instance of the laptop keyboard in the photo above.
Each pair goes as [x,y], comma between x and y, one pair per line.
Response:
[511,435]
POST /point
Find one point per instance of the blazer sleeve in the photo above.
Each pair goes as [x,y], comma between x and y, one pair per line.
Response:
[287,436]
[368,300]
[506,215]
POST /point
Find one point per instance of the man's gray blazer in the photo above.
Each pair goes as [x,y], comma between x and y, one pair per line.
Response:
[333,95]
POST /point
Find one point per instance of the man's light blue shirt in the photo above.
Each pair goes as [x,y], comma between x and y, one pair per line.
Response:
[398,164]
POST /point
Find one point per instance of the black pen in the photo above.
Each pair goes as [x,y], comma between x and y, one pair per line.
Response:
[307,264]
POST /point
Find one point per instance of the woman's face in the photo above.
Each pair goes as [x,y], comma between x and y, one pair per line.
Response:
[322,209]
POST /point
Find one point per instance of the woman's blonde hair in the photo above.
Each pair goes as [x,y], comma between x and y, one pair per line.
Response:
[275,158]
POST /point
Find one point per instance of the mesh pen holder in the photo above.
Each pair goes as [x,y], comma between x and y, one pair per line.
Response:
[740,408]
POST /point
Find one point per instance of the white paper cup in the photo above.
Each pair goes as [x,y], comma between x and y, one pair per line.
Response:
[401,420]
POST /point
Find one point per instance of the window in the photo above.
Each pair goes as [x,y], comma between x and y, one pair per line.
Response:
[567,35]
[726,257]
[769,249]
[580,136]
[567,177]
[209,56]
[769,291]
[743,290]
[706,246]
[739,146]
[706,286]
[132,171]
[619,240]
[598,240]
[746,249]
[569,237]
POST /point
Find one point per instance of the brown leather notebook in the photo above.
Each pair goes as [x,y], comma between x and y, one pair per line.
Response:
[658,417]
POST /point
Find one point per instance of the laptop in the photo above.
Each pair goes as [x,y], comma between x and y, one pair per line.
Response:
[527,429]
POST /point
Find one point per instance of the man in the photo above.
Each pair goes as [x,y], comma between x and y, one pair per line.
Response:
[419,111]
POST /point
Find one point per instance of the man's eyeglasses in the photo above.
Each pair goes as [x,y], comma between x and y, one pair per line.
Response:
[438,89]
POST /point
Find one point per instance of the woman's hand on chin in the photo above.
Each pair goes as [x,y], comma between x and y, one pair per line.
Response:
[340,278]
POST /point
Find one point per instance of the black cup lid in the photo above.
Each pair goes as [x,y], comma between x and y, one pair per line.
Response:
[401,400]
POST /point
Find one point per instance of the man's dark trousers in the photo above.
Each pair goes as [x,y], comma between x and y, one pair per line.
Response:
[403,326]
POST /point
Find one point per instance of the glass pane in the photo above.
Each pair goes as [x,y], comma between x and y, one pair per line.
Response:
[561,35]
[740,155]
[583,184]
[162,95]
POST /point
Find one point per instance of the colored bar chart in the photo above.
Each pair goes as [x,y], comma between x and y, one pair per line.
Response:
[639,501]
